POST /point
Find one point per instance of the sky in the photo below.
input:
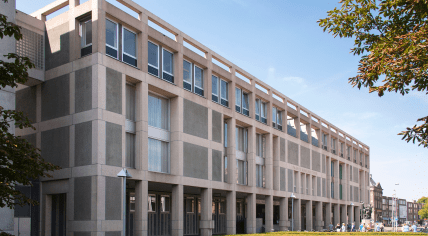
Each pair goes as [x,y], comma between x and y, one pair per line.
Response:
[280,43]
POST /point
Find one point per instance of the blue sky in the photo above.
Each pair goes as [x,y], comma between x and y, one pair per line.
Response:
[281,43]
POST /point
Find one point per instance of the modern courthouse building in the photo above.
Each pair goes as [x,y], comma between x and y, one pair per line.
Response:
[210,150]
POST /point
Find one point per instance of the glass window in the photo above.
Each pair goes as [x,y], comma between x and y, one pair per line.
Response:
[259,176]
[222,207]
[245,106]
[130,150]
[165,204]
[238,208]
[152,203]
[241,139]
[190,205]
[130,102]
[158,112]
[158,156]
[238,99]
[274,116]
[129,43]
[215,86]
[187,75]
[241,167]
[260,145]
[257,107]
[111,34]
[168,62]
[225,134]
[153,58]
[224,90]
[199,81]
[86,33]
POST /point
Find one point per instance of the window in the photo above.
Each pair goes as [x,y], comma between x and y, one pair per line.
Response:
[241,157]
[165,203]
[152,203]
[261,111]
[332,190]
[221,87]
[238,208]
[340,191]
[241,139]
[261,145]
[291,127]
[129,47]
[332,169]
[112,43]
[333,145]
[193,78]
[350,173]
[276,118]
[295,182]
[307,185]
[130,126]
[341,149]
[153,58]
[355,156]
[241,102]
[158,132]
[260,176]
[340,171]
[304,132]
[238,97]
[260,161]
[314,137]
[324,141]
[222,207]
[349,152]
[241,172]
[85,33]
[190,205]
[167,65]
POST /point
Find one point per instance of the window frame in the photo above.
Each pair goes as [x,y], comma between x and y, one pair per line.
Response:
[217,87]
[83,32]
[191,76]
[240,99]
[117,40]
[172,66]
[148,63]
[123,45]
[149,202]
[194,78]
[242,102]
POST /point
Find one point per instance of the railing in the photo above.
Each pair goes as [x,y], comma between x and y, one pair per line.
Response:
[315,142]
[291,131]
[304,137]
[31,45]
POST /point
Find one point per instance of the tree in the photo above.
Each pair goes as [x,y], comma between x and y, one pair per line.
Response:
[20,161]
[423,200]
[423,213]
[390,36]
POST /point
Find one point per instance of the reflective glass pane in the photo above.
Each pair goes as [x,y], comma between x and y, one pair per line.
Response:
[187,71]
[214,85]
[88,32]
[199,77]
[153,52]
[245,101]
[167,62]
[238,97]
[129,43]
[158,112]
[224,90]
[111,33]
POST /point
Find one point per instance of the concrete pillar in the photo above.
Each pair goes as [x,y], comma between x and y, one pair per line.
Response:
[336,214]
[276,165]
[283,214]
[251,214]
[297,214]
[269,213]
[231,148]
[141,195]
[206,224]
[357,215]
[327,214]
[177,201]
[351,214]
[336,180]
[269,162]
[319,223]
[344,214]
[309,215]
[251,156]
[231,212]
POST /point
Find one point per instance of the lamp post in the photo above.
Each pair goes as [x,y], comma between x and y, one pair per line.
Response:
[292,211]
[124,174]
[395,205]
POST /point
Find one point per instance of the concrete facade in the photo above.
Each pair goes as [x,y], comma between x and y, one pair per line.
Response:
[211,179]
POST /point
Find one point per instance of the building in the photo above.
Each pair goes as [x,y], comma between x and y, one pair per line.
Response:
[210,150]
[402,210]
[412,211]
[376,193]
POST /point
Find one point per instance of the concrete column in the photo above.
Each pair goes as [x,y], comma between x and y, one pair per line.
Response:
[283,215]
[141,192]
[251,156]
[251,214]
[269,162]
[269,213]
[344,214]
[177,200]
[231,149]
[336,179]
[206,224]
[309,215]
[319,223]
[327,214]
[231,212]
[357,216]
[297,214]
[336,214]
[351,214]
[328,179]
[276,166]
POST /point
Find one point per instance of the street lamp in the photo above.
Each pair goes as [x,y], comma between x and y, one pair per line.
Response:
[395,209]
[292,211]
[124,174]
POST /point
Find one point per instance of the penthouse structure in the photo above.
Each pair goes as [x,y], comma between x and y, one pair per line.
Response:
[211,149]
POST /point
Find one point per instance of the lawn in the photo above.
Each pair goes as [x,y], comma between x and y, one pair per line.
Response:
[332,233]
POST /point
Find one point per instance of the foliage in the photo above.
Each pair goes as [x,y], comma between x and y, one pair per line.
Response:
[423,200]
[332,233]
[20,161]
[390,36]
[423,213]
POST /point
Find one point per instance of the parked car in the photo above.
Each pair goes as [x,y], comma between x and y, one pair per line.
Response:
[422,230]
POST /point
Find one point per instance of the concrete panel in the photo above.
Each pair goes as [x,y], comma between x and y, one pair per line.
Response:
[355,178]
[282,179]
[26,102]
[195,161]
[305,157]
[113,203]
[31,138]
[324,187]
[323,163]
[82,233]
[195,119]
[83,89]
[83,144]
[316,163]
[113,233]
[293,153]
[82,198]
[57,46]
[56,97]
[319,186]
[113,144]
[216,165]
[290,180]
[282,149]
[217,126]
[56,145]
[113,91]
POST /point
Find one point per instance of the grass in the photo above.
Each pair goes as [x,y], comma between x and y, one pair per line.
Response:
[333,233]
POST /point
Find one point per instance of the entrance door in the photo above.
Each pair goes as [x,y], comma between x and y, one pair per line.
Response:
[219,215]
[159,216]
[58,215]
[192,215]
[240,216]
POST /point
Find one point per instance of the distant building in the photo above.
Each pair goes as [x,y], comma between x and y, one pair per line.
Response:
[402,211]
[376,200]
[412,211]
